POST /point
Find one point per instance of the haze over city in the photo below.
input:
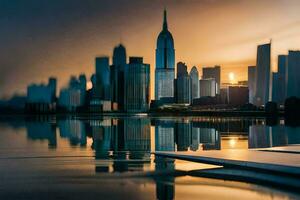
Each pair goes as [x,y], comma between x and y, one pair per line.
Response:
[58,38]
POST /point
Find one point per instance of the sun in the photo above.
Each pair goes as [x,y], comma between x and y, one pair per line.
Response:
[231,77]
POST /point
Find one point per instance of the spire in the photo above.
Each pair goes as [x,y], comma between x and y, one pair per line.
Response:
[165,24]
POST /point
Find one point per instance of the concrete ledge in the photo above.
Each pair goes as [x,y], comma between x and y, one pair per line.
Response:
[281,163]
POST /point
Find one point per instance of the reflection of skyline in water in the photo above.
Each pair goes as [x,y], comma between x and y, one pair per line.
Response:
[120,137]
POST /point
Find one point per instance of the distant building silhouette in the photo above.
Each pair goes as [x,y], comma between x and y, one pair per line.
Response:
[182,85]
[195,87]
[251,83]
[102,78]
[165,63]
[41,98]
[137,86]
[293,74]
[215,73]
[262,74]
[73,97]
[100,98]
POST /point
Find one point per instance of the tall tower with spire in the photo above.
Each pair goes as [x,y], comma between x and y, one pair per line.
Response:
[165,63]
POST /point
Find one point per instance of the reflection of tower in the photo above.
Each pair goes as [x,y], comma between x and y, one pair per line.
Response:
[165,63]
[137,134]
[195,135]
[164,135]
[41,131]
[101,131]
[210,138]
[262,136]
[259,136]
[118,146]
[165,187]
[134,146]
[291,136]
[74,130]
[183,133]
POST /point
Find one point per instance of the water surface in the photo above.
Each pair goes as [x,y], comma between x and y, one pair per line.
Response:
[110,157]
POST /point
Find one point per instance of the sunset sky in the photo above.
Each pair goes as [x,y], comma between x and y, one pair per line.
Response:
[42,38]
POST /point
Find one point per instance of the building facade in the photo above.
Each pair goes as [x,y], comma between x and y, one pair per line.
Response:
[251,83]
[194,81]
[165,63]
[293,75]
[279,80]
[238,95]
[207,87]
[215,73]
[137,86]
[262,75]
[182,85]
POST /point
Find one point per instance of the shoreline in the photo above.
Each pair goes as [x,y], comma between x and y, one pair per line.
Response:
[155,114]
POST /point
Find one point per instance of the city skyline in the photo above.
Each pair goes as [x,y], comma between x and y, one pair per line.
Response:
[69,56]
[150,99]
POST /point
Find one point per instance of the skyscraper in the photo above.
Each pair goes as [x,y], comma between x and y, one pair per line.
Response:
[251,83]
[282,64]
[195,88]
[117,76]
[137,86]
[279,80]
[165,63]
[215,73]
[262,74]
[182,85]
[293,75]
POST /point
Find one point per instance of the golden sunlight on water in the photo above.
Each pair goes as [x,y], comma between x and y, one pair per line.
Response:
[234,142]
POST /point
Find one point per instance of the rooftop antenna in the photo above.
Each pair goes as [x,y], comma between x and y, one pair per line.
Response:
[121,39]
[165,23]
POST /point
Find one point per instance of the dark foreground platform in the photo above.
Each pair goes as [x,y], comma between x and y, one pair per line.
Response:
[268,161]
